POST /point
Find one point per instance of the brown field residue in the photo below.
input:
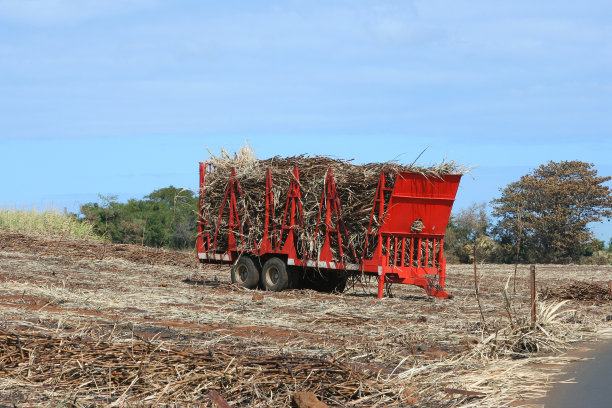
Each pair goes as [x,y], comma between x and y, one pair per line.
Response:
[106,300]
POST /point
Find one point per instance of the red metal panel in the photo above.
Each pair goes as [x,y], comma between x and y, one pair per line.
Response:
[416,196]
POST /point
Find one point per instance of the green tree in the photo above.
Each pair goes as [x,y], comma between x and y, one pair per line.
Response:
[467,227]
[181,224]
[552,207]
[166,217]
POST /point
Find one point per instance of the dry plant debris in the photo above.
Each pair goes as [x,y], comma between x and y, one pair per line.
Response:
[577,290]
[109,314]
[356,186]
[96,250]
[155,372]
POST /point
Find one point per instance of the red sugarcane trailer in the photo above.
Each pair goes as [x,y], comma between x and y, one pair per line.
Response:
[405,235]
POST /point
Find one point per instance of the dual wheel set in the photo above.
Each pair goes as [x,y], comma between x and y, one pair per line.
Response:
[275,275]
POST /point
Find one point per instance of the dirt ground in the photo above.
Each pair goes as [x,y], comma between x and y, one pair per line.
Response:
[68,305]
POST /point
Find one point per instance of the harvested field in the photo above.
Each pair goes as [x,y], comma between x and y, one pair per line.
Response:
[95,250]
[113,325]
[577,290]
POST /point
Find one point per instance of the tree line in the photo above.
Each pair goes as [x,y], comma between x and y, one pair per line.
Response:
[543,217]
[165,218]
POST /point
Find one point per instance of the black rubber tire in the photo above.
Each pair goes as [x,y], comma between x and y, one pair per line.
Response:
[274,275]
[245,273]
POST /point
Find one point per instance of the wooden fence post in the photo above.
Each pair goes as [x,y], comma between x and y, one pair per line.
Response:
[533,296]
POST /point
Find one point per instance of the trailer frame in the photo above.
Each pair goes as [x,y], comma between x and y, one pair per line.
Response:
[411,215]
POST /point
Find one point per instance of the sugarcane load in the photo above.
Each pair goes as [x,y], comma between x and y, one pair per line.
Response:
[316,221]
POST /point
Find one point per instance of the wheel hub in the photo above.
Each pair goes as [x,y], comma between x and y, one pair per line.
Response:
[274,275]
[243,273]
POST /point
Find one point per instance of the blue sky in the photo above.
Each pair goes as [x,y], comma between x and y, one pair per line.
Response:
[125,97]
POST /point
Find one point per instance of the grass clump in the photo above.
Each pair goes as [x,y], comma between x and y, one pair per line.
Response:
[47,223]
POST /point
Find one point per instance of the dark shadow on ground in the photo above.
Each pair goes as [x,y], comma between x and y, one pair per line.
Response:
[209,283]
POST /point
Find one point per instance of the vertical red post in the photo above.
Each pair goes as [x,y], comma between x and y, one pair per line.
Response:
[442,275]
[381,285]
[441,255]
[339,234]
[227,190]
[268,242]
[231,240]
[201,221]
[381,211]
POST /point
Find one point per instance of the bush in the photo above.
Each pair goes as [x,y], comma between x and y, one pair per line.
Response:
[598,258]
[48,223]
[165,218]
